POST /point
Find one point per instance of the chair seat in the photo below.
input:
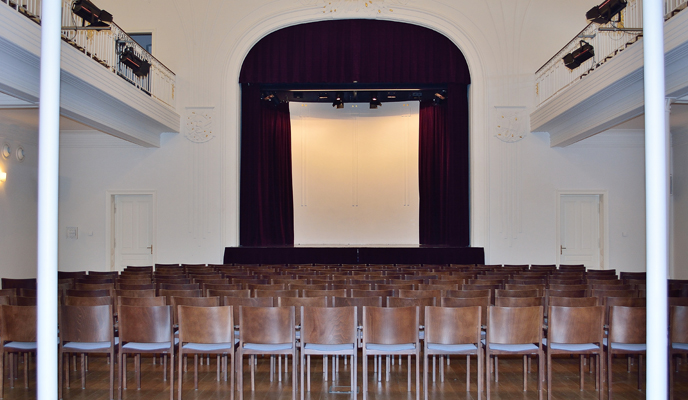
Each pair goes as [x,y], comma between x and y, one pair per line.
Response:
[268,347]
[88,346]
[21,345]
[390,347]
[330,347]
[148,346]
[679,346]
[627,346]
[512,347]
[452,347]
[209,346]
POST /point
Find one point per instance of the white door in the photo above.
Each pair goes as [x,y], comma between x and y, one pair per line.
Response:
[580,230]
[133,233]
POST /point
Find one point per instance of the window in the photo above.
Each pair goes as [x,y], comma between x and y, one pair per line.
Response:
[144,40]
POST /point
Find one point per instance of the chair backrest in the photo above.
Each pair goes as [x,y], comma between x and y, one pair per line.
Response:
[9,283]
[70,274]
[520,301]
[394,286]
[330,293]
[370,293]
[25,301]
[179,286]
[417,294]
[133,281]
[206,324]
[94,286]
[517,293]
[350,286]
[678,301]
[236,302]
[220,286]
[275,293]
[482,302]
[614,293]
[447,325]
[145,324]
[266,325]
[358,302]
[298,302]
[193,302]
[18,323]
[124,285]
[514,325]
[230,293]
[608,302]
[575,324]
[627,324]
[678,324]
[86,323]
[301,287]
[89,293]
[468,293]
[329,325]
[572,301]
[390,325]
[539,287]
[87,301]
[141,301]
[6,300]
[566,293]
[420,302]
[269,286]
[169,293]
[439,286]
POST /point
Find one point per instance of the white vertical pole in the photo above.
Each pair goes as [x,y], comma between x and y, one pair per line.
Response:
[48,166]
[656,199]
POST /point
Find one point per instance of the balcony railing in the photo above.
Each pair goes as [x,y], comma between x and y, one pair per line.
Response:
[105,46]
[554,76]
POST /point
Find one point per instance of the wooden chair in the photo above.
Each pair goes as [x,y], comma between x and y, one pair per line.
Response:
[302,287]
[482,302]
[236,302]
[169,293]
[626,336]
[576,330]
[220,286]
[370,293]
[128,286]
[520,302]
[18,337]
[9,283]
[145,330]
[391,331]
[572,301]
[416,294]
[450,331]
[328,331]
[275,293]
[206,330]
[179,286]
[468,293]
[141,301]
[86,329]
[228,293]
[514,331]
[330,293]
[87,301]
[191,302]
[359,303]
[539,287]
[420,302]
[678,340]
[266,330]
[516,293]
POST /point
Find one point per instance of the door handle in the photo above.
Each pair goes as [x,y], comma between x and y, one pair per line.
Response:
[561,250]
[151,248]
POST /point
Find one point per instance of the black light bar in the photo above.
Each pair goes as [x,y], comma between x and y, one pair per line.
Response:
[90,13]
[130,59]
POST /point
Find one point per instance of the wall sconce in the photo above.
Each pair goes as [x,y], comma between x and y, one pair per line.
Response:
[3,176]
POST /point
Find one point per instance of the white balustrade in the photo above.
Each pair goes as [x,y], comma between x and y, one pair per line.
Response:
[104,46]
[554,76]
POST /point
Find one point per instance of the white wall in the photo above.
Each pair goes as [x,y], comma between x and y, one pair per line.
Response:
[504,41]
[680,205]
[611,162]
[18,204]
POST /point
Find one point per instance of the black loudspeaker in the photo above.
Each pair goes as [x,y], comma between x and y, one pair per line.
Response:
[606,11]
[575,58]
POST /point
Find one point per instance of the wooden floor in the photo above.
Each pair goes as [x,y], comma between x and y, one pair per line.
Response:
[565,383]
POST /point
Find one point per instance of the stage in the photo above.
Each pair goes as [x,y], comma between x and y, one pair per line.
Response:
[388,254]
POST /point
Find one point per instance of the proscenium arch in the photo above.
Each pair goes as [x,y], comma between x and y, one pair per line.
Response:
[265,24]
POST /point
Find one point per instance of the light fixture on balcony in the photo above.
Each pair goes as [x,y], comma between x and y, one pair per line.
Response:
[604,13]
[90,13]
[575,58]
[130,59]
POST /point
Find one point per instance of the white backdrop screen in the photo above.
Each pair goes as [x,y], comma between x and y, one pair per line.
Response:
[355,174]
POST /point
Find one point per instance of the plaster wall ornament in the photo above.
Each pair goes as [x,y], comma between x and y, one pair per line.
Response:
[355,7]
[510,124]
[198,124]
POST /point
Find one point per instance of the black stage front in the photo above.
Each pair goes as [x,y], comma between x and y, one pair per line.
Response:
[354,255]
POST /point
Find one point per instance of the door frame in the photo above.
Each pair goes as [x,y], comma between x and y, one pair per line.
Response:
[604,222]
[110,222]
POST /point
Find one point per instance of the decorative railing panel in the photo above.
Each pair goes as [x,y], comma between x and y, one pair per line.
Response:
[105,46]
[607,40]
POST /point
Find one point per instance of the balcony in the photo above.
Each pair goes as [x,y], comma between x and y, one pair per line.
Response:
[607,90]
[98,89]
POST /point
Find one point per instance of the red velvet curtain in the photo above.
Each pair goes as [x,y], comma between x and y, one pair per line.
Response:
[347,51]
[267,200]
[443,170]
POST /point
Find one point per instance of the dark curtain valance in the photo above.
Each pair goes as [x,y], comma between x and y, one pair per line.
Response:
[365,51]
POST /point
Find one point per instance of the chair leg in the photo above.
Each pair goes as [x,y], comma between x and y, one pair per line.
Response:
[232,366]
[468,373]
[488,374]
[549,375]
[434,359]
[308,368]
[609,374]
[171,375]
[640,369]
[417,372]
[481,367]
[496,368]
[581,371]
[180,371]
[525,373]
[425,376]
[365,376]
[252,357]
[541,372]
[60,365]
[408,379]
[303,388]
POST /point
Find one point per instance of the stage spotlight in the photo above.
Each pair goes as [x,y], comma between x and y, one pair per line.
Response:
[271,97]
[322,96]
[574,59]
[130,59]
[374,101]
[606,11]
[90,13]
[440,97]
[338,102]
